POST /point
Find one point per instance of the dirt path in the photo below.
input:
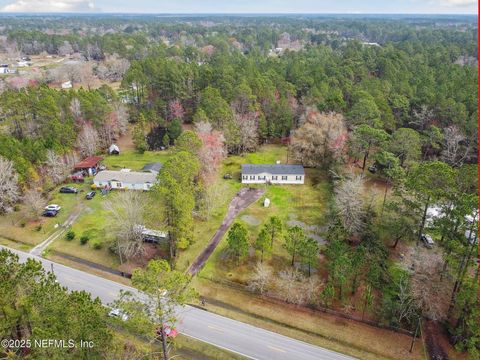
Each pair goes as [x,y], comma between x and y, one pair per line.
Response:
[38,250]
[242,200]
[433,333]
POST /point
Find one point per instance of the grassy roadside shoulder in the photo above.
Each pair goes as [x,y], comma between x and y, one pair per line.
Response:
[188,348]
[341,335]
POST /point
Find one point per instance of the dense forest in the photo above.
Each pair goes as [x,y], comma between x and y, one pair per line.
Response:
[398,94]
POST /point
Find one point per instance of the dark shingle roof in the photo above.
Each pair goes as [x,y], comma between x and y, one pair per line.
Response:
[152,167]
[249,169]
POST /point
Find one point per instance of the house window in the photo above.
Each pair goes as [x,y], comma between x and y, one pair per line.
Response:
[245,177]
[262,178]
[274,177]
[118,185]
[252,177]
[298,177]
[284,177]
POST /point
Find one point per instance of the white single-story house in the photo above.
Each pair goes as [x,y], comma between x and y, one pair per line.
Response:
[273,174]
[126,180]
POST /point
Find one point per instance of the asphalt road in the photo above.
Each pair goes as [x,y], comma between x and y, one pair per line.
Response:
[249,341]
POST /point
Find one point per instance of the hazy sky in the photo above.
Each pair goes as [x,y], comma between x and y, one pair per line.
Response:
[244,6]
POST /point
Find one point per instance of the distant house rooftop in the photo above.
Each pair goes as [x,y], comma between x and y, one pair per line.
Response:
[156,167]
[88,162]
[250,169]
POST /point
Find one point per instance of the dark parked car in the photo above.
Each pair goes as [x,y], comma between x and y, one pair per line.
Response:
[373,169]
[50,213]
[227,176]
[90,195]
[68,190]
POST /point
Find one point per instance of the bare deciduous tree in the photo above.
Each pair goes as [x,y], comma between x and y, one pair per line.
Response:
[88,140]
[203,127]
[321,139]
[212,152]
[8,186]
[58,168]
[312,288]
[85,74]
[422,117]
[289,285]
[122,117]
[12,50]
[65,49]
[406,309]
[34,203]
[261,278]
[76,109]
[350,203]
[247,125]
[454,152]
[127,211]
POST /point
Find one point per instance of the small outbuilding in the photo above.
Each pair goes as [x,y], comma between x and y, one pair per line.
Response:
[114,150]
[89,165]
[67,85]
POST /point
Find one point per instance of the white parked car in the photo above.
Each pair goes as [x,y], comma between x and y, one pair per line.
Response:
[427,241]
[53,207]
[118,314]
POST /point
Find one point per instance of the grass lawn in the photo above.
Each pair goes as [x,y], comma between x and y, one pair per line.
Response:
[305,204]
[204,229]
[345,336]
[16,226]
[96,223]
[14,245]
[131,159]
[184,347]
[188,348]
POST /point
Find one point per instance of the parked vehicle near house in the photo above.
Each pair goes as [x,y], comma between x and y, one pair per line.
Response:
[90,195]
[50,213]
[77,177]
[68,190]
[168,331]
[427,241]
[118,314]
[53,207]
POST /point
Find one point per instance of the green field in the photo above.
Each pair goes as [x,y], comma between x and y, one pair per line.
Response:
[304,204]
[94,223]
[16,226]
[133,160]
